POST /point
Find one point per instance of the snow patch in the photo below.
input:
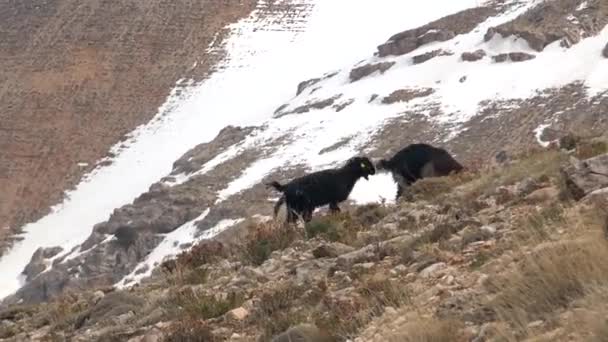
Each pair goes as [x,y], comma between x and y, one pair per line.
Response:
[538,132]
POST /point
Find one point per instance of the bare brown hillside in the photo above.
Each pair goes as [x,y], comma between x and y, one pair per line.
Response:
[76,76]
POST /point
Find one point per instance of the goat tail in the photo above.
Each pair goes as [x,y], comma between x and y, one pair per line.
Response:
[276,185]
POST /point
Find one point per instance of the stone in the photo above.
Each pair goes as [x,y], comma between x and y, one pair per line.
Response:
[305,84]
[38,262]
[97,296]
[473,56]
[432,270]
[568,142]
[331,250]
[587,176]
[543,195]
[238,313]
[526,186]
[419,59]
[520,56]
[405,95]
[605,51]
[303,333]
[513,56]
[368,69]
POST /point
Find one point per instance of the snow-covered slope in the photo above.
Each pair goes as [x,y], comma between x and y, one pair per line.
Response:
[268,56]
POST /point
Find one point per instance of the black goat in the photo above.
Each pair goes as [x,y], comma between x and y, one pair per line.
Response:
[303,195]
[417,161]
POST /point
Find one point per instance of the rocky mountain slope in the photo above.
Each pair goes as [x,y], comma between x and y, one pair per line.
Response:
[511,251]
[77,76]
[499,78]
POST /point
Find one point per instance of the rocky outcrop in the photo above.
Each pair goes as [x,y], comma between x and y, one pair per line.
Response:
[473,56]
[117,246]
[311,105]
[39,262]
[429,55]
[561,20]
[309,83]
[368,69]
[405,95]
[513,56]
[440,30]
[195,158]
[586,176]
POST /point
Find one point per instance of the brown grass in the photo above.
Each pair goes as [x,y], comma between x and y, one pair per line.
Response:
[545,163]
[589,149]
[550,279]
[190,330]
[205,306]
[277,310]
[341,227]
[428,330]
[266,237]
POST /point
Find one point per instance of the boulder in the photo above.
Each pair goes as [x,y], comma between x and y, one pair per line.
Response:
[587,176]
[473,56]
[429,55]
[238,314]
[331,250]
[38,261]
[513,56]
[368,69]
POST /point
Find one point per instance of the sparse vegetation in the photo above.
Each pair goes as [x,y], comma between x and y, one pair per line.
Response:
[190,330]
[589,149]
[550,278]
[428,330]
[415,271]
[340,227]
[265,238]
[205,306]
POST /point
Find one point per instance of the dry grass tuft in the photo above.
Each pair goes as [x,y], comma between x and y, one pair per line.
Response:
[341,227]
[590,149]
[550,279]
[266,237]
[428,330]
[275,312]
[204,306]
[544,163]
[190,330]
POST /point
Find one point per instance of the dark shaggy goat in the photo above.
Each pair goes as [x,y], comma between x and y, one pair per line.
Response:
[331,186]
[418,161]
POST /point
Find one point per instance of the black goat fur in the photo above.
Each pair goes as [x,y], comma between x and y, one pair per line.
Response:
[303,195]
[417,161]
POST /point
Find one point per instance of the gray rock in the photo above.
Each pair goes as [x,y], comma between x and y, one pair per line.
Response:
[331,250]
[473,56]
[513,56]
[303,333]
[432,270]
[430,55]
[38,262]
[527,186]
[605,51]
[368,69]
[587,176]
